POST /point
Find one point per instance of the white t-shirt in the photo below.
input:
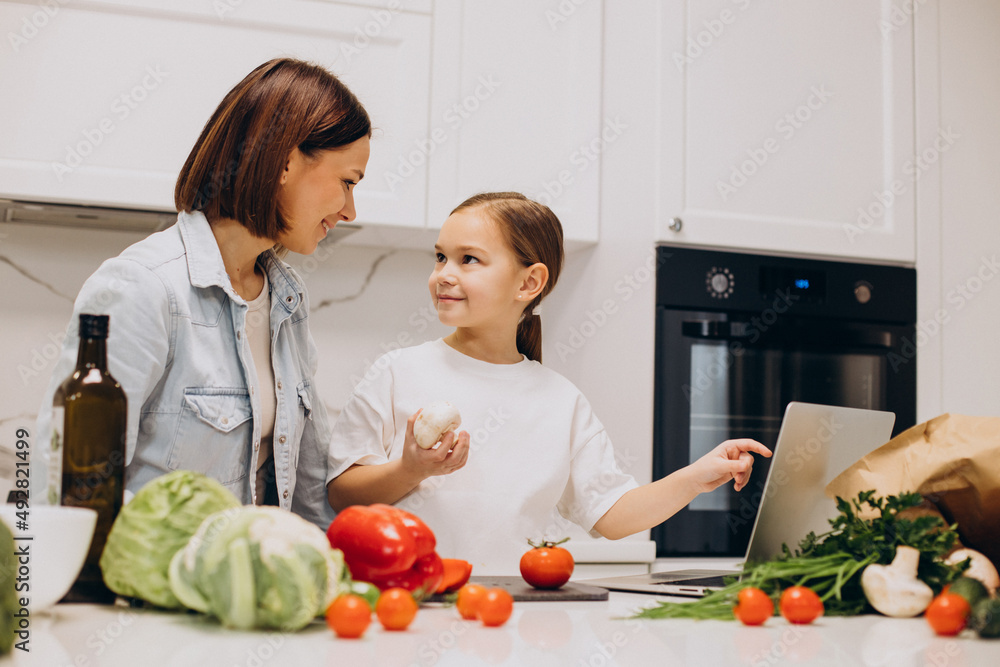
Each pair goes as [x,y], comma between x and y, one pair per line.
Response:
[538,455]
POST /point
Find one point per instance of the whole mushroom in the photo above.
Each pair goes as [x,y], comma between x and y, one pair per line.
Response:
[894,589]
[980,567]
[433,422]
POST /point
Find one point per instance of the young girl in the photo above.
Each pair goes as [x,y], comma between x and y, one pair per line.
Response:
[536,448]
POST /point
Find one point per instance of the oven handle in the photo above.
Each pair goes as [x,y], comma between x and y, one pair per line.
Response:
[824,335]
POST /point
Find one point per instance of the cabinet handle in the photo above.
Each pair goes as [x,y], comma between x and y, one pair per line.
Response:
[675,224]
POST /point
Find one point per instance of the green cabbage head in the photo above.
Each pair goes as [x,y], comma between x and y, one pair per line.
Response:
[150,529]
[258,567]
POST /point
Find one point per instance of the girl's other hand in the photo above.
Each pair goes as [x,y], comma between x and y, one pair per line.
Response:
[445,458]
[730,460]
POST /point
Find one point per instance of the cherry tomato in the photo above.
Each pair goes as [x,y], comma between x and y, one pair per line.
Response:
[469,597]
[547,565]
[396,608]
[495,607]
[800,605]
[948,614]
[349,616]
[753,606]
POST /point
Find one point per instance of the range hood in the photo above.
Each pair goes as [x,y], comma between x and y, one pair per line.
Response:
[115,219]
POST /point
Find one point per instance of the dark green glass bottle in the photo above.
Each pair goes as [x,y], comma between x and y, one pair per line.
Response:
[93,412]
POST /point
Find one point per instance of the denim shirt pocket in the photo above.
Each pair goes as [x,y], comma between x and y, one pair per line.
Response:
[214,433]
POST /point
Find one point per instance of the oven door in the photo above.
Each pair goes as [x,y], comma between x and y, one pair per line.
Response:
[730,375]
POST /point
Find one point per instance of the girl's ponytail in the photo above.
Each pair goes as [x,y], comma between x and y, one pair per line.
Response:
[535,235]
[529,335]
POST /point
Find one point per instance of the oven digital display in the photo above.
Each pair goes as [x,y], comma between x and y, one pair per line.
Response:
[806,285]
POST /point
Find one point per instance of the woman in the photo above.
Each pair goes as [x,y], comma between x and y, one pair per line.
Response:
[209,329]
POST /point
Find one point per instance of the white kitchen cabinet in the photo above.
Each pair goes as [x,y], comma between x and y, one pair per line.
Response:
[104,100]
[958,269]
[516,105]
[789,127]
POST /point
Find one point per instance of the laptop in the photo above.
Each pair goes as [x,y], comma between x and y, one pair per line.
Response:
[815,444]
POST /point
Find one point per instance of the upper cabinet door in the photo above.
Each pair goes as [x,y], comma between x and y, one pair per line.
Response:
[104,100]
[516,105]
[788,127]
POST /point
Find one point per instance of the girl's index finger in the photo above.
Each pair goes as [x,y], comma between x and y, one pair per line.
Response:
[750,445]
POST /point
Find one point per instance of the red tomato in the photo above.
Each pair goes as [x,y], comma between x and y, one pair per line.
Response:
[753,606]
[349,616]
[495,607]
[547,565]
[948,614]
[396,609]
[469,597]
[800,605]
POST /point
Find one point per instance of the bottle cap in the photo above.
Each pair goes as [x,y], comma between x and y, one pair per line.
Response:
[93,326]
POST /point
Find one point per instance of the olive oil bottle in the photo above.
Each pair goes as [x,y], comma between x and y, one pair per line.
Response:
[88,425]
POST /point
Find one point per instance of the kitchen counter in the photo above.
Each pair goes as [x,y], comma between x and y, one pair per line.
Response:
[593,634]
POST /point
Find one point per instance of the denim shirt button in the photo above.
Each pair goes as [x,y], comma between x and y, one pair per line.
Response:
[279,384]
[281,440]
[256,446]
[238,336]
[285,494]
[289,299]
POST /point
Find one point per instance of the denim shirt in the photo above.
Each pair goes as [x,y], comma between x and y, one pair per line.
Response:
[177,345]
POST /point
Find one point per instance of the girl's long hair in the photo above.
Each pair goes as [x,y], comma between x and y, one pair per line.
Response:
[535,235]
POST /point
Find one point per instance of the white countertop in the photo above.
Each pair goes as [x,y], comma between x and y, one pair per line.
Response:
[591,634]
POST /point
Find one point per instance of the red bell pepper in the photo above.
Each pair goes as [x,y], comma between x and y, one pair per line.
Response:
[387,546]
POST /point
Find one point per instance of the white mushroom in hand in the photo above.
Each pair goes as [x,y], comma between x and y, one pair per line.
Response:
[434,421]
[894,589]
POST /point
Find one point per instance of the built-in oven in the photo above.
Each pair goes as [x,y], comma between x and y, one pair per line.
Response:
[738,336]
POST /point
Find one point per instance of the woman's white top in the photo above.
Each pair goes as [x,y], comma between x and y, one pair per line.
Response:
[259,337]
[538,456]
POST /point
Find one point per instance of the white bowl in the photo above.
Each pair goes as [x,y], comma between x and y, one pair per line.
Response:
[60,541]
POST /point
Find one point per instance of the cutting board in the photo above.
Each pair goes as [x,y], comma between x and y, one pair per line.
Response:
[522,592]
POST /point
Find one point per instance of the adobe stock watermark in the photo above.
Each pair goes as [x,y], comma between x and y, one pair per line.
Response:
[584,156]
[594,320]
[786,127]
[749,333]
[957,298]
[603,652]
[802,454]
[121,108]
[453,118]
[45,355]
[562,13]
[31,25]
[595,489]
[479,437]
[712,29]
[913,169]
[900,15]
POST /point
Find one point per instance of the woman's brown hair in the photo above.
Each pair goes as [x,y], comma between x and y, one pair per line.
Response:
[234,169]
[535,235]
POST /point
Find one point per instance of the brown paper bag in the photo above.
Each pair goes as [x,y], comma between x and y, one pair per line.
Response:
[953,461]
